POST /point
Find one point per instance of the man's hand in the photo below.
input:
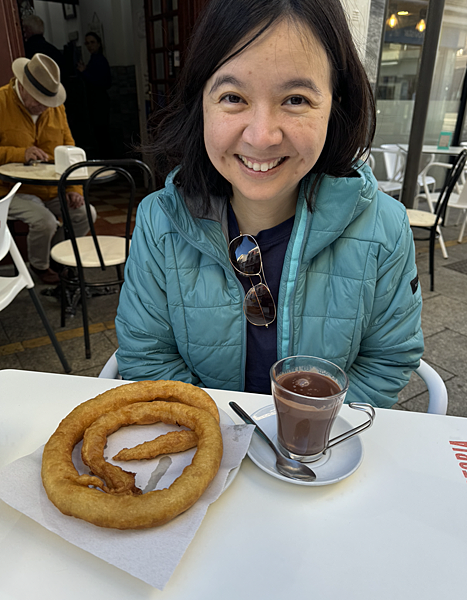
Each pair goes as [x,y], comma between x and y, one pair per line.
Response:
[35,153]
[74,199]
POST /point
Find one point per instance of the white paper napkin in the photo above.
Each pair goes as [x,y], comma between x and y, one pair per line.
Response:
[149,554]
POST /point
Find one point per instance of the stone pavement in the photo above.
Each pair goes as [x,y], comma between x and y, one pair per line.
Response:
[444,322]
[24,344]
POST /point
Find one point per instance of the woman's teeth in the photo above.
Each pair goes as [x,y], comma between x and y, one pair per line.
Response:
[256,166]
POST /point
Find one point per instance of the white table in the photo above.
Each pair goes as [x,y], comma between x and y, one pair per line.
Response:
[433,149]
[395,529]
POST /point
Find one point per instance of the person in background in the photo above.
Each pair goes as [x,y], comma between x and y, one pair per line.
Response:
[97,76]
[35,42]
[33,123]
[270,238]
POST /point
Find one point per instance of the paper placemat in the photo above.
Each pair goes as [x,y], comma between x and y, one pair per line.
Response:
[149,554]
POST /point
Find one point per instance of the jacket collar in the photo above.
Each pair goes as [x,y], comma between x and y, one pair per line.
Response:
[203,231]
[340,200]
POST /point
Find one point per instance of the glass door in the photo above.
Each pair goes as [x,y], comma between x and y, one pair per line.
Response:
[401,52]
[403,39]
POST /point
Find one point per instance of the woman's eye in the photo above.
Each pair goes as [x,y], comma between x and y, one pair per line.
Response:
[232,99]
[296,100]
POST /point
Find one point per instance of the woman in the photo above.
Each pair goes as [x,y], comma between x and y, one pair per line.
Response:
[98,79]
[267,140]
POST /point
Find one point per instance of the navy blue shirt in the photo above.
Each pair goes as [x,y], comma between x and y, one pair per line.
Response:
[262,341]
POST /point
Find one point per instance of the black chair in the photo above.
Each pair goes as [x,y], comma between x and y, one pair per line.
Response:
[432,221]
[89,252]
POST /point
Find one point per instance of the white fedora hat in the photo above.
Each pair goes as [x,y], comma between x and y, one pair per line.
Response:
[40,76]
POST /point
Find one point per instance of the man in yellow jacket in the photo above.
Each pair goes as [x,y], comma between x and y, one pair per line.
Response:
[33,123]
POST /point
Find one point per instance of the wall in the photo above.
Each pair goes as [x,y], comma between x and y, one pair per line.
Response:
[114,18]
[118,22]
[358,12]
[366,21]
[376,22]
[57,29]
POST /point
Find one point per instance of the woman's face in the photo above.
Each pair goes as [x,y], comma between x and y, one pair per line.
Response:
[92,44]
[266,114]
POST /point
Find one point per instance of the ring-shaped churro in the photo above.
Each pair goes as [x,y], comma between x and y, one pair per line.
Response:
[70,492]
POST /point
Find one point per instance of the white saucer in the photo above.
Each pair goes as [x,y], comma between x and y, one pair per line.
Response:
[337,464]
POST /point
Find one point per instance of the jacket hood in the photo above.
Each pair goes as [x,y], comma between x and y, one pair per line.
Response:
[340,200]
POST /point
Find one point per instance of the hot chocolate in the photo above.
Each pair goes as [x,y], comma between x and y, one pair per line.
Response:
[308,383]
[308,392]
[304,426]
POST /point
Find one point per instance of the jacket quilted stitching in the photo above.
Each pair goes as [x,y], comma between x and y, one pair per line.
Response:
[345,292]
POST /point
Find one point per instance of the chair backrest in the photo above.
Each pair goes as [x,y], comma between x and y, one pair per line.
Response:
[461,201]
[4,231]
[110,369]
[426,174]
[394,160]
[452,177]
[10,287]
[438,394]
[118,167]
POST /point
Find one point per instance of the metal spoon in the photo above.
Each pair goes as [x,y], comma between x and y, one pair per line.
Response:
[285,466]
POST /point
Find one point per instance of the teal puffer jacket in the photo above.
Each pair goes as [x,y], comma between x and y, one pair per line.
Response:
[349,292]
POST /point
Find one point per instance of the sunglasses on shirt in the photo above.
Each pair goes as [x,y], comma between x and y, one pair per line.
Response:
[245,257]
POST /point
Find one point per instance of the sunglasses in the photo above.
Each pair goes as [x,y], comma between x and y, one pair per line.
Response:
[245,257]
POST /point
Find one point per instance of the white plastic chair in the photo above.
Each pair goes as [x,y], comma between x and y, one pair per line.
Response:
[432,197]
[437,391]
[432,221]
[459,201]
[396,166]
[394,159]
[10,287]
[438,394]
[110,369]
[394,163]
[458,198]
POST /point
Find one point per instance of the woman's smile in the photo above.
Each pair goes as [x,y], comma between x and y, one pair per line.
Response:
[263,165]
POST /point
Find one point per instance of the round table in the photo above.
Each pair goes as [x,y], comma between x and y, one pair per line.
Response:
[44,174]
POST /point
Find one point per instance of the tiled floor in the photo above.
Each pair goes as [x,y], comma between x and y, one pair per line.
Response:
[444,324]
[23,340]
[23,345]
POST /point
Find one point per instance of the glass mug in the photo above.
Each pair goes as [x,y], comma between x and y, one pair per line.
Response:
[308,393]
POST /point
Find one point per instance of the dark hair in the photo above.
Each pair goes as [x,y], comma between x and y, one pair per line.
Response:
[179,135]
[98,39]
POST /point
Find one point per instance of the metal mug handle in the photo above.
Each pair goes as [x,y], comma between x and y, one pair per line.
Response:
[366,408]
